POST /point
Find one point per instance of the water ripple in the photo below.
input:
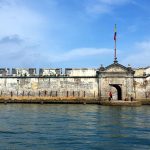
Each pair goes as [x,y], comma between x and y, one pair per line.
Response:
[74,127]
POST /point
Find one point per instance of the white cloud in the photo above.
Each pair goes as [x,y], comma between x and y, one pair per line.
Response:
[16,18]
[21,29]
[80,53]
[140,57]
[14,50]
[104,6]
[113,2]
[21,55]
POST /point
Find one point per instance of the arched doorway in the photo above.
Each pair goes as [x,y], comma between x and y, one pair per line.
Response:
[119,91]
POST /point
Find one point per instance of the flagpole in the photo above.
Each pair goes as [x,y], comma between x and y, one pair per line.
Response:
[115,57]
[115,48]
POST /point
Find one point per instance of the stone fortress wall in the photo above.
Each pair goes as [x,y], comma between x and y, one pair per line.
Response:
[141,83]
[76,82]
[49,81]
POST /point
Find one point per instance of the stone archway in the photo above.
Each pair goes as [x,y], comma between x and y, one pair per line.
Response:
[119,90]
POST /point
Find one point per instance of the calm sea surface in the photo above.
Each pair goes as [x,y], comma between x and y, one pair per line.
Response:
[74,127]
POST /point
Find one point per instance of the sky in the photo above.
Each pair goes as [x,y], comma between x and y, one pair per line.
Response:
[73,33]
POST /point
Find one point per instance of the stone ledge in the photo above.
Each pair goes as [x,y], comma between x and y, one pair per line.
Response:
[71,100]
[121,103]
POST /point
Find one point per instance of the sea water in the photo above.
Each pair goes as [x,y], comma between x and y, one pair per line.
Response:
[74,127]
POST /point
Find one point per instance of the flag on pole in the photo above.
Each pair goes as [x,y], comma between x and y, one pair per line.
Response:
[115,32]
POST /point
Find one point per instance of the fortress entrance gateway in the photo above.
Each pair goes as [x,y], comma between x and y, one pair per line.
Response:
[118,79]
[119,91]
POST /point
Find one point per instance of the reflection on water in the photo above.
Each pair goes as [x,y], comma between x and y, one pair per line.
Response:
[74,127]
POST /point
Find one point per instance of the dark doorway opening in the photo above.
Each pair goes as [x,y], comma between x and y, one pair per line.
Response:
[119,91]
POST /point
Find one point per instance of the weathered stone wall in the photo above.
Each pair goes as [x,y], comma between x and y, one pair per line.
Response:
[82,82]
[126,85]
[139,72]
[56,86]
[80,72]
[142,87]
[75,86]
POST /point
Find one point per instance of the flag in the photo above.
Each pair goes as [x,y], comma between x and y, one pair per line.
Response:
[115,32]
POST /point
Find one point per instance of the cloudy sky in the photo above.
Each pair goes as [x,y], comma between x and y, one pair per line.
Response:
[73,33]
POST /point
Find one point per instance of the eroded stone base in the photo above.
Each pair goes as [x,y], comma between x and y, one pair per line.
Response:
[72,100]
